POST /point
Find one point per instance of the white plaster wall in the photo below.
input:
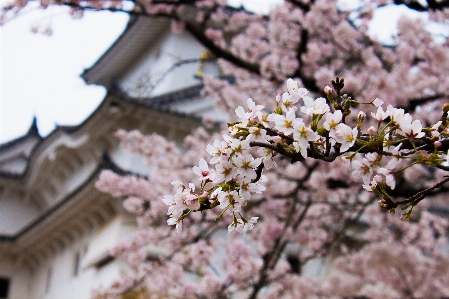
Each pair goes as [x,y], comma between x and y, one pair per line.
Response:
[130,161]
[19,284]
[9,156]
[64,284]
[15,212]
[18,275]
[16,165]
[159,58]
[79,177]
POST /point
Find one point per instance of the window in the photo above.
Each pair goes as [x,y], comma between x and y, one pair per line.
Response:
[4,287]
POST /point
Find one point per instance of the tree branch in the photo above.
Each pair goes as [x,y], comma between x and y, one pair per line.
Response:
[418,6]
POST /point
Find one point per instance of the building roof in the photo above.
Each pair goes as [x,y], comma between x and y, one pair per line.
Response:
[68,147]
[33,132]
[15,153]
[163,103]
[140,34]
[104,164]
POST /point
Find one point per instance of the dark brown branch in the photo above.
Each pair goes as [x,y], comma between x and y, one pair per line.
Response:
[189,26]
[422,194]
[308,82]
[304,6]
[418,6]
[220,52]
[258,172]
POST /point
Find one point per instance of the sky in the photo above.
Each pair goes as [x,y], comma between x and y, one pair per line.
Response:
[40,74]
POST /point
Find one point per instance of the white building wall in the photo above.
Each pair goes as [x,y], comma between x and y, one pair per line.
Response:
[55,276]
[19,277]
[159,59]
[15,212]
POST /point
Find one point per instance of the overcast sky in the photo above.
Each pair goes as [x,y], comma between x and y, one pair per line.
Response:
[40,74]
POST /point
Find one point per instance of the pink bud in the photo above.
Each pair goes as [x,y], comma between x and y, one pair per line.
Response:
[277,139]
[372,131]
[437,143]
[327,89]
[377,179]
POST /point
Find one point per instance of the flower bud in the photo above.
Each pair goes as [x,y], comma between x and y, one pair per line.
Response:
[437,143]
[328,90]
[372,131]
[378,179]
[361,116]
[277,139]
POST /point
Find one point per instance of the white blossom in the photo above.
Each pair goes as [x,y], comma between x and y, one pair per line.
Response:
[243,227]
[223,171]
[380,115]
[292,87]
[346,136]
[203,170]
[388,172]
[257,134]
[267,157]
[245,165]
[231,199]
[332,121]
[284,123]
[311,107]
[303,133]
[378,102]
[216,151]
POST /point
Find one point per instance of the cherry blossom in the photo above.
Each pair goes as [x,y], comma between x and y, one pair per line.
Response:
[332,121]
[312,207]
[203,170]
[314,107]
[284,123]
[346,136]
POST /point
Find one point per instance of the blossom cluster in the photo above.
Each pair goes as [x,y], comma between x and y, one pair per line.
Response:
[322,133]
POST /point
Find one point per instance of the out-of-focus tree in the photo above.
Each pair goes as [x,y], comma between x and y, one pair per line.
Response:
[311,211]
